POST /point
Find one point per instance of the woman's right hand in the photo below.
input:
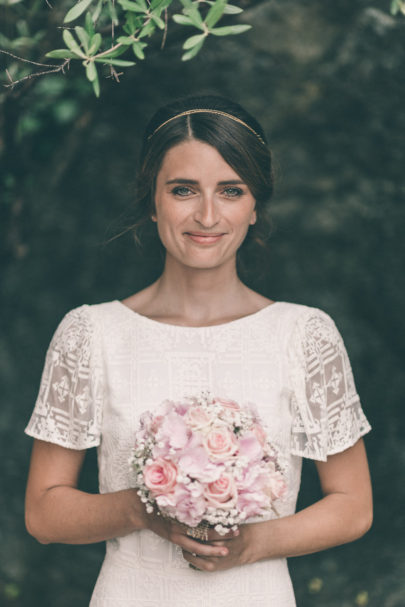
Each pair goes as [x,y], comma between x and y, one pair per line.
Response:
[175,532]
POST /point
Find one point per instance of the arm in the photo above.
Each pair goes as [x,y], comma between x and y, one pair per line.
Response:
[56,511]
[342,515]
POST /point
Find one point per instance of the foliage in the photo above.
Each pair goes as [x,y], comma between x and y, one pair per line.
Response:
[106,30]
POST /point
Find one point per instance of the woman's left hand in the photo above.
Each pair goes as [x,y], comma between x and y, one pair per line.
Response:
[241,549]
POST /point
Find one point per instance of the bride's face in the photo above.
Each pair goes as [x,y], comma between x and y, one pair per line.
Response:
[203,209]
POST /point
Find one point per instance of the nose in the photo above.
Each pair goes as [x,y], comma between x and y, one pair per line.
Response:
[207,213]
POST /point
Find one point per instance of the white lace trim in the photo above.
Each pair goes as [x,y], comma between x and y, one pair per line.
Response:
[327,415]
[68,409]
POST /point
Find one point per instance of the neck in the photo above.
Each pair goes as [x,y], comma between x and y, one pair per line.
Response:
[196,295]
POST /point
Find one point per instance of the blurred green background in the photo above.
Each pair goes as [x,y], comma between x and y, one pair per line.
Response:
[326,79]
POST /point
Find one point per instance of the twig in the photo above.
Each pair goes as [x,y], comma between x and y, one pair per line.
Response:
[60,68]
[26,60]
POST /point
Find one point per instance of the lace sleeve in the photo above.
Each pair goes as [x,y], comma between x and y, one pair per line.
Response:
[68,409]
[327,414]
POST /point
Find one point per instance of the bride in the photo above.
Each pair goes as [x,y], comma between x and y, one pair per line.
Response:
[204,181]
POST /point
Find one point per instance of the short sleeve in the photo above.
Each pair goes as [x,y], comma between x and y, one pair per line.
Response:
[327,414]
[69,405]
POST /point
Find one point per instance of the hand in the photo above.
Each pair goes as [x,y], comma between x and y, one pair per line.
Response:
[241,548]
[214,548]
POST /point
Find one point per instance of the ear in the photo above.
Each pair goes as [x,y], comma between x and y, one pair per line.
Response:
[153,217]
[253,218]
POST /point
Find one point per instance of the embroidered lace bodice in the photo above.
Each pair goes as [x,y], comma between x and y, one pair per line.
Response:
[107,364]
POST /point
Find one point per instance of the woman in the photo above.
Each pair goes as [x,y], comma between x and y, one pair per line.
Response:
[204,180]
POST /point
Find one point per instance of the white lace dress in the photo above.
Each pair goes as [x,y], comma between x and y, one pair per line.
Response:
[107,364]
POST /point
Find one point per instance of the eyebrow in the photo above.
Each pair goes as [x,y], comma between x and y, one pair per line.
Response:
[195,182]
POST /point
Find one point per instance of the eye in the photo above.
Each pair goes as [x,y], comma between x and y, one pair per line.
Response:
[233,192]
[182,190]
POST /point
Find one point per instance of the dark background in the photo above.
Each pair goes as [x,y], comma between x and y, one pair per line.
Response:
[326,79]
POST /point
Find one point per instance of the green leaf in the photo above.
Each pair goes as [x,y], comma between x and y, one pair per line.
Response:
[147,30]
[96,86]
[114,53]
[95,44]
[193,52]
[112,12]
[159,22]
[91,70]
[215,13]
[62,53]
[135,7]
[97,12]
[230,9]
[191,42]
[230,29]
[160,4]
[83,37]
[125,40]
[118,62]
[195,16]
[72,44]
[77,10]
[138,47]
[89,24]
[182,20]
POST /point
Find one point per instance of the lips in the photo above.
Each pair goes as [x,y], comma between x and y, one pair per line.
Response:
[203,238]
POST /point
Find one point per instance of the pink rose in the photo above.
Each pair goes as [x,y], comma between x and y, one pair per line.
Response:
[198,418]
[276,486]
[220,444]
[221,493]
[160,476]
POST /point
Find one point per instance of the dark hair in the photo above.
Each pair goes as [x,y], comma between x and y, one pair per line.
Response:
[240,141]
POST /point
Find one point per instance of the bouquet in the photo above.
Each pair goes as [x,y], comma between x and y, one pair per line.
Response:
[206,461]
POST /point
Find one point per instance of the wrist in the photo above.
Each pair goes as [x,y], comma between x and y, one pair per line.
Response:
[138,517]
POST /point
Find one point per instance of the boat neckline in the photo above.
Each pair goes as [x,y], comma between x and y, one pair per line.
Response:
[200,327]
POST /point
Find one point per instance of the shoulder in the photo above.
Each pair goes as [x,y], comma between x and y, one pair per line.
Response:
[302,315]
[81,324]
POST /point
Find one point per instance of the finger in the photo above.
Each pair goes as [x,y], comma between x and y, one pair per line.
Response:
[199,563]
[203,549]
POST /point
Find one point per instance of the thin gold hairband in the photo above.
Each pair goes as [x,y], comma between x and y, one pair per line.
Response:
[207,111]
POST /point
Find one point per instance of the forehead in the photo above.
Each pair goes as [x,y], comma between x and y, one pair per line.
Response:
[195,160]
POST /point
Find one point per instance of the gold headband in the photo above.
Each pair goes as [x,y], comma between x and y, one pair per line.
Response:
[217,112]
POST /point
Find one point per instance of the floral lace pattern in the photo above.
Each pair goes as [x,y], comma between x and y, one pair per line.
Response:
[107,364]
[69,405]
[327,417]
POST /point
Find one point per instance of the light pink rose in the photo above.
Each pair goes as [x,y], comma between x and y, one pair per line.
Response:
[198,418]
[276,485]
[160,476]
[220,444]
[221,493]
